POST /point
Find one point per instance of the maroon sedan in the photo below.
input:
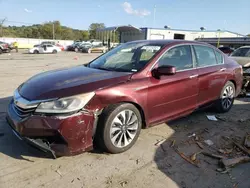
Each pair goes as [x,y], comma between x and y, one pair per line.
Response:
[109,100]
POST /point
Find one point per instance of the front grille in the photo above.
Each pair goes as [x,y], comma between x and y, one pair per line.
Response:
[21,112]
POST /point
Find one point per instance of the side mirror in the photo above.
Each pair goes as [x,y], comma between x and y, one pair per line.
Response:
[164,71]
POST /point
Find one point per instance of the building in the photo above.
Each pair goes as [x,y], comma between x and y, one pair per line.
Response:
[130,33]
[233,42]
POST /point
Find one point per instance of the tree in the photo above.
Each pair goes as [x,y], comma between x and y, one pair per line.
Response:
[248,35]
[92,29]
[45,31]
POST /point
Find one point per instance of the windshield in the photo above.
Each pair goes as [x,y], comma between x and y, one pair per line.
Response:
[241,52]
[130,57]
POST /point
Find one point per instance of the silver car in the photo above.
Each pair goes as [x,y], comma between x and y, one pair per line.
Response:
[242,56]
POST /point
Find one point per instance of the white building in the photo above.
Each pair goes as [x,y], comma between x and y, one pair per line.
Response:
[130,33]
[153,33]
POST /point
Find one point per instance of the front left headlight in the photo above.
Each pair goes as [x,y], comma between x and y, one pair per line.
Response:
[65,105]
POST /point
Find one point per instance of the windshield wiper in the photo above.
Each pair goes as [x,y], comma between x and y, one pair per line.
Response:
[102,68]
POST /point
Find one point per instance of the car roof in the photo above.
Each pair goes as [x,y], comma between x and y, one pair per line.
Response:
[245,47]
[167,42]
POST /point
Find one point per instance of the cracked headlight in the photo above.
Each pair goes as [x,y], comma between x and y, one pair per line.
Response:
[65,105]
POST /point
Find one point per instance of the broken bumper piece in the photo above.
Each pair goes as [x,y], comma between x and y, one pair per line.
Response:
[58,135]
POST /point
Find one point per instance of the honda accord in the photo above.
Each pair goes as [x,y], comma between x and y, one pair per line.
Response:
[108,101]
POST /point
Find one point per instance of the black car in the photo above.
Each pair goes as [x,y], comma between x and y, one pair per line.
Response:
[226,50]
[74,47]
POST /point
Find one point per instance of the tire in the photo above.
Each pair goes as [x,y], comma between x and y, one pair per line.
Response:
[112,129]
[36,52]
[226,100]
[54,52]
[1,51]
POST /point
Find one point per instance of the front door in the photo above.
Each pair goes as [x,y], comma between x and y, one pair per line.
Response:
[211,73]
[174,95]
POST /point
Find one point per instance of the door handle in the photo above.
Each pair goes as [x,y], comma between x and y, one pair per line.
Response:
[222,69]
[193,76]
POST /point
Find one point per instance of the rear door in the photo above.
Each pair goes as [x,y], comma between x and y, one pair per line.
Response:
[50,48]
[211,71]
[174,95]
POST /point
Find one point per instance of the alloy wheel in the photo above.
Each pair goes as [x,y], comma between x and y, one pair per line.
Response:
[124,128]
[227,97]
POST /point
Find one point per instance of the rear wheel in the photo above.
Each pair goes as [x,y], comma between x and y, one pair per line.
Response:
[36,52]
[1,51]
[225,103]
[119,128]
[54,52]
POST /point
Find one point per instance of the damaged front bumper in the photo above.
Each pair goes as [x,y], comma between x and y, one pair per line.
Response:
[58,135]
[246,81]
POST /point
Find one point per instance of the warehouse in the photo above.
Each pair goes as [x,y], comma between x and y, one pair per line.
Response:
[130,33]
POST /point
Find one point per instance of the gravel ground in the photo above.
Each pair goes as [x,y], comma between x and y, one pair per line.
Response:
[144,165]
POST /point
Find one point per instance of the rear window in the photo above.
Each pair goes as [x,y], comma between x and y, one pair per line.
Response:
[241,52]
[205,56]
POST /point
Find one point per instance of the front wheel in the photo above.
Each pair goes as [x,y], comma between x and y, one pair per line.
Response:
[120,127]
[226,100]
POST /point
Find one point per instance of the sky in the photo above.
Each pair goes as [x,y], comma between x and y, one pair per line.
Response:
[232,15]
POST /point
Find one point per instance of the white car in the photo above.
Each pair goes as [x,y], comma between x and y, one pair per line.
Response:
[45,49]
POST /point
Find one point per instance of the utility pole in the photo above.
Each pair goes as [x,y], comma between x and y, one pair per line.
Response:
[53,30]
[1,25]
[218,42]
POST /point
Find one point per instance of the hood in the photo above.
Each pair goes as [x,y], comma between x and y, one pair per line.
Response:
[68,82]
[241,60]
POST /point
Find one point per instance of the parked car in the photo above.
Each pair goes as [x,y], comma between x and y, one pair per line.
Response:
[242,56]
[45,43]
[44,49]
[93,49]
[4,47]
[226,50]
[81,46]
[74,46]
[109,100]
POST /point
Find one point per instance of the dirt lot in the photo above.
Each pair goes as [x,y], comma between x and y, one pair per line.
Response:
[145,165]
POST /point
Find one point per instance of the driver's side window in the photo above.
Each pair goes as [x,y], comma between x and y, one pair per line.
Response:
[180,57]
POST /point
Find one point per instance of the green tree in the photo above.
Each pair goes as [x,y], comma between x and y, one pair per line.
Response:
[93,27]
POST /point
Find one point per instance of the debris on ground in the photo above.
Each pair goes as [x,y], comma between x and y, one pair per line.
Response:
[137,161]
[247,141]
[209,142]
[160,142]
[212,155]
[227,163]
[186,158]
[221,118]
[200,145]
[242,148]
[58,172]
[172,144]
[123,183]
[192,135]
[194,156]
[72,180]
[212,118]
